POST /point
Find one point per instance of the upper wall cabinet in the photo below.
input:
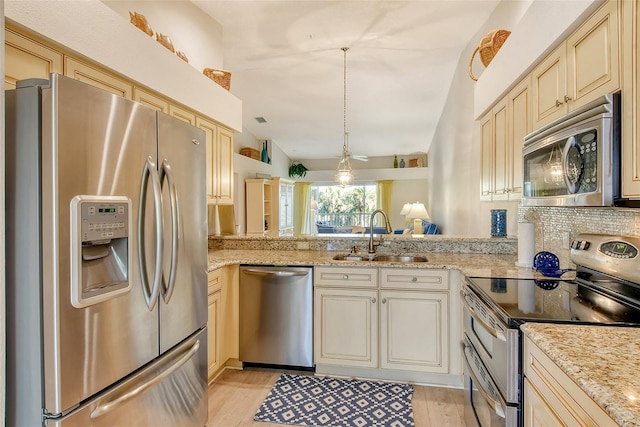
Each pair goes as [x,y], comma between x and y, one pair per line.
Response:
[219,162]
[631,102]
[502,134]
[95,76]
[581,69]
[150,100]
[26,58]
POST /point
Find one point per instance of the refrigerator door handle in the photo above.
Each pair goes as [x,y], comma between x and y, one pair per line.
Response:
[166,171]
[138,389]
[150,293]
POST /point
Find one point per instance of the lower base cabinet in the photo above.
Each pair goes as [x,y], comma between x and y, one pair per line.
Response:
[552,398]
[413,331]
[402,324]
[222,324]
[345,327]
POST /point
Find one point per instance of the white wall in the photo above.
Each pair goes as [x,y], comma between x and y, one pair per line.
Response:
[454,158]
[190,30]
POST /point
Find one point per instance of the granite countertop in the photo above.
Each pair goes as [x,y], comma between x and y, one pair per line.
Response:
[484,265]
[602,360]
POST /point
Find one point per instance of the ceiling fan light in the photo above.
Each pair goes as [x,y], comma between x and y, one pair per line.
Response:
[344,177]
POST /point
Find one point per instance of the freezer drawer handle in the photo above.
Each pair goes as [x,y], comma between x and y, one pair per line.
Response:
[279,273]
[496,406]
[168,288]
[141,388]
[150,294]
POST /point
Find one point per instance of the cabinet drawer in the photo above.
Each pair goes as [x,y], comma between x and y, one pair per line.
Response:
[346,276]
[395,278]
[215,281]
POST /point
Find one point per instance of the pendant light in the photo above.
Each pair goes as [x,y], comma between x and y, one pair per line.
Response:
[344,175]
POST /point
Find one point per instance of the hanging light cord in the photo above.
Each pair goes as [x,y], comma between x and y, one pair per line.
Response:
[344,145]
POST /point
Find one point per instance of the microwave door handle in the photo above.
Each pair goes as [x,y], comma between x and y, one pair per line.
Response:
[167,172]
[497,407]
[493,331]
[150,293]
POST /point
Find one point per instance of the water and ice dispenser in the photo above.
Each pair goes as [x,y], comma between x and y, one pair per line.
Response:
[100,248]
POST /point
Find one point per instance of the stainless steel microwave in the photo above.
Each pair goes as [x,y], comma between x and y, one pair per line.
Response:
[574,161]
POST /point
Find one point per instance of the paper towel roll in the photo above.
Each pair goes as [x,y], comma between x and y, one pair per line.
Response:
[526,244]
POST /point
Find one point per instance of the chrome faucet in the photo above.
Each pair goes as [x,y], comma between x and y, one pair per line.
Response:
[372,246]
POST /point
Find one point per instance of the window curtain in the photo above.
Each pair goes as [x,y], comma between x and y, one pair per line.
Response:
[302,208]
[383,195]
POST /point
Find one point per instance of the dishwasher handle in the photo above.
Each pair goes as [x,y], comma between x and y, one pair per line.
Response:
[278,273]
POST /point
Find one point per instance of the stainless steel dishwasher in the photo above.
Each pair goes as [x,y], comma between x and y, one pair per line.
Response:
[276,316]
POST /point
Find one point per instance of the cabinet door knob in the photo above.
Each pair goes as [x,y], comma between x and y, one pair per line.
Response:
[558,103]
[384,300]
[345,277]
[414,279]
[373,300]
[567,98]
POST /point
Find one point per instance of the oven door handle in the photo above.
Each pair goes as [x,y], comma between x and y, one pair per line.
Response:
[499,407]
[493,331]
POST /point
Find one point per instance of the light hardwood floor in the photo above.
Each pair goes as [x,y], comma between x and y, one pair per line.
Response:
[235,396]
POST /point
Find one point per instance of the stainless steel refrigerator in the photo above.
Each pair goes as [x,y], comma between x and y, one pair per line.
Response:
[106,246]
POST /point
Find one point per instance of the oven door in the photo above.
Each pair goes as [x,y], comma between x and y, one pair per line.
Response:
[496,344]
[484,406]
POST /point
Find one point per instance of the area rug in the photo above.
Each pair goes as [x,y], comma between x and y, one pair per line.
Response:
[323,401]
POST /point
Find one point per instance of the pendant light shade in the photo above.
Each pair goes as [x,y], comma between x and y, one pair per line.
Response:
[344,174]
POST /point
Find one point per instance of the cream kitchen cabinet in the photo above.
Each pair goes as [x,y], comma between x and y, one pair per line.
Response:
[223,319]
[150,100]
[583,68]
[219,161]
[346,327]
[413,331]
[214,322]
[631,101]
[214,331]
[180,113]
[259,201]
[551,398]
[98,77]
[502,132]
[385,319]
[493,154]
[26,58]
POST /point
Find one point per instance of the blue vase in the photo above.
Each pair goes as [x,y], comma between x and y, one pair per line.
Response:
[498,222]
[264,156]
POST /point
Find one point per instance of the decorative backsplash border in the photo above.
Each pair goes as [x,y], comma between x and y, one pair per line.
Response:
[392,244]
[552,223]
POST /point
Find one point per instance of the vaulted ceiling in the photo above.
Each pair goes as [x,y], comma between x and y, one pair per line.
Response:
[287,67]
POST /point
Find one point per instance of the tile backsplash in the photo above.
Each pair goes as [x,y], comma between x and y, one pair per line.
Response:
[552,224]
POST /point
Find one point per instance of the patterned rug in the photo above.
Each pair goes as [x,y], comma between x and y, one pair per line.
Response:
[323,401]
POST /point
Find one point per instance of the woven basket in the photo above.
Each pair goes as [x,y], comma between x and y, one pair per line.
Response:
[488,47]
[222,77]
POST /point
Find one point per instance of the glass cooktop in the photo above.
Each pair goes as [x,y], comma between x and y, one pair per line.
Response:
[521,300]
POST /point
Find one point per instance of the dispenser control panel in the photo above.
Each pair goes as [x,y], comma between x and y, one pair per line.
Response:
[100,248]
[100,220]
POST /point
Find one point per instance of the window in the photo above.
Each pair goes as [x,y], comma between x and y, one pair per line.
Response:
[343,206]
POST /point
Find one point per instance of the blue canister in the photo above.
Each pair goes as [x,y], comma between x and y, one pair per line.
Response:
[498,222]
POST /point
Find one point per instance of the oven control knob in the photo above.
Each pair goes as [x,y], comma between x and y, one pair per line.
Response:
[584,245]
[575,244]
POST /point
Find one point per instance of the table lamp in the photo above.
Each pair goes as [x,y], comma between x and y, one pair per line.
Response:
[418,212]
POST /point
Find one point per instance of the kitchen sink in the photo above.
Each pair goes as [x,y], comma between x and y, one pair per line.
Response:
[351,257]
[381,258]
[399,258]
